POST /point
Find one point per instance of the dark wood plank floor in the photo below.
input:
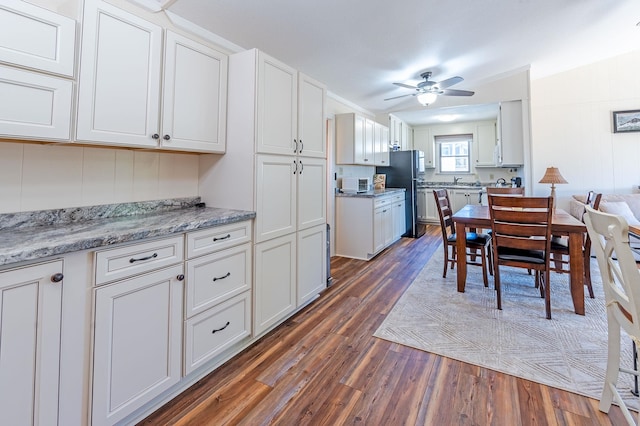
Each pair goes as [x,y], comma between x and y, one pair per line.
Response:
[323,367]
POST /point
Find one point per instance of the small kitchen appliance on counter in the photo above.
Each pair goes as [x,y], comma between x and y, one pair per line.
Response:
[355,184]
[516,182]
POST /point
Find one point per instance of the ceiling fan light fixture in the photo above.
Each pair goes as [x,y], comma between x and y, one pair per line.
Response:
[427,98]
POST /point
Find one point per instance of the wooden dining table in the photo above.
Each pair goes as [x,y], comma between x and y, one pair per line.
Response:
[478,217]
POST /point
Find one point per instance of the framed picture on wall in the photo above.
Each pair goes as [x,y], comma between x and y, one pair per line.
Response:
[626,121]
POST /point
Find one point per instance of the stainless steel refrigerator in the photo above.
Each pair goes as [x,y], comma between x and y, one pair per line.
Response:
[402,172]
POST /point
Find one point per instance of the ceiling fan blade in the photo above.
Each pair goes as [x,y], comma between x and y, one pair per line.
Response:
[405,85]
[401,96]
[449,82]
[453,92]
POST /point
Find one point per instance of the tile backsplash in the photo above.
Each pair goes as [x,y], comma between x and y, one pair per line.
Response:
[37,177]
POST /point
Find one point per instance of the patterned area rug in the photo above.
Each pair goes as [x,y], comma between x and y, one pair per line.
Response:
[567,352]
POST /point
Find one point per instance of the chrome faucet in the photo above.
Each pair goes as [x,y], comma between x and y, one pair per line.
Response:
[456,179]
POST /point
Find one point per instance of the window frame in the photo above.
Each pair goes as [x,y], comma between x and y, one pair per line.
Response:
[440,140]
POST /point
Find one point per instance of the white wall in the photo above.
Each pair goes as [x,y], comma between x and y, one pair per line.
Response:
[572,128]
[38,177]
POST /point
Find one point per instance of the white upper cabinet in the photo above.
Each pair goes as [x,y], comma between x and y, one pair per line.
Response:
[354,139]
[511,134]
[36,38]
[119,86]
[311,114]
[194,113]
[34,105]
[381,144]
[277,106]
[119,99]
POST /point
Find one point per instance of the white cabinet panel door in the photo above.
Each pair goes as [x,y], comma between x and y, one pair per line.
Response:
[194,96]
[30,319]
[277,107]
[275,281]
[119,84]
[312,192]
[311,118]
[36,38]
[312,263]
[34,105]
[138,343]
[276,178]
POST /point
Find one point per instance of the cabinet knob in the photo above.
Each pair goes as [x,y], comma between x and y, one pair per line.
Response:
[56,278]
[180,277]
[155,136]
[166,137]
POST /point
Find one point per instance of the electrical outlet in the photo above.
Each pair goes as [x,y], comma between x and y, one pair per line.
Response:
[491,176]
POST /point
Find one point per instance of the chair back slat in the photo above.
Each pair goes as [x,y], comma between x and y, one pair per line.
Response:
[508,190]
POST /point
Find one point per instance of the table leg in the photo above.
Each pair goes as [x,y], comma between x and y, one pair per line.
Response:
[461,261]
[576,267]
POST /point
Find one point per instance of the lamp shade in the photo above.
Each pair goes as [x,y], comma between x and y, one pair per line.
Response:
[553,176]
[427,98]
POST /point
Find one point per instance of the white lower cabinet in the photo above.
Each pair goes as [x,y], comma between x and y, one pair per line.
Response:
[30,324]
[275,281]
[137,342]
[367,225]
[312,263]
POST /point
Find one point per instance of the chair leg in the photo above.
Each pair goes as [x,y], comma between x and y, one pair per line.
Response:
[587,274]
[613,363]
[547,294]
[446,261]
[454,254]
[496,280]
[483,256]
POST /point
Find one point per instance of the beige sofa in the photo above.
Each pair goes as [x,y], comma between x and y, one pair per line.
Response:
[625,205]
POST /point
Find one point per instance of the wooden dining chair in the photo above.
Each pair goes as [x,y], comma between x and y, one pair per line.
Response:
[521,238]
[560,248]
[505,190]
[621,284]
[477,244]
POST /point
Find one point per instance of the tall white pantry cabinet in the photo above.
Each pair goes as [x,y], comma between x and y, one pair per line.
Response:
[275,164]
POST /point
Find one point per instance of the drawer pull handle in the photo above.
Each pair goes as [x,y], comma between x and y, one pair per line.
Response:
[222,238]
[222,277]
[132,260]
[220,329]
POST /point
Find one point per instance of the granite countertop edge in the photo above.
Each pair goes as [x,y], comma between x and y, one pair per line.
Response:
[371,194]
[18,244]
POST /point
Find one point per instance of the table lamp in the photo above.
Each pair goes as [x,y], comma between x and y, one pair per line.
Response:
[552,175]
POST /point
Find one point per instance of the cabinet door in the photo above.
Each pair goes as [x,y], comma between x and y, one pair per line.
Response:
[119,84]
[399,219]
[379,228]
[275,281]
[368,143]
[423,141]
[276,178]
[312,263]
[359,146]
[137,343]
[422,204]
[381,144]
[277,107]
[312,192]
[34,105]
[389,225]
[194,96]
[30,316]
[511,134]
[36,38]
[311,117]
[486,134]
[432,208]
[459,200]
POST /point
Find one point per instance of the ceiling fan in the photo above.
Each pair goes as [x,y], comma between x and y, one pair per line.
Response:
[427,91]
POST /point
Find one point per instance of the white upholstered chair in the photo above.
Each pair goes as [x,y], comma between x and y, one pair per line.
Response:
[621,284]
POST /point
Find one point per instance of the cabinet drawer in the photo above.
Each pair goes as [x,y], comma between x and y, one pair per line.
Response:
[135,259]
[216,277]
[217,238]
[214,330]
[381,202]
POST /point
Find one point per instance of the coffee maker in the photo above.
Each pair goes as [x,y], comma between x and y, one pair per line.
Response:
[516,182]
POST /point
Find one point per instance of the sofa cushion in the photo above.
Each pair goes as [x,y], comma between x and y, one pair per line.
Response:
[620,208]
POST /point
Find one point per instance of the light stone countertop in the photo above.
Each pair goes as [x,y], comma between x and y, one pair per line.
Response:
[35,235]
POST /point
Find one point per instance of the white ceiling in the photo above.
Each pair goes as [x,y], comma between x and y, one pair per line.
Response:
[359,48]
